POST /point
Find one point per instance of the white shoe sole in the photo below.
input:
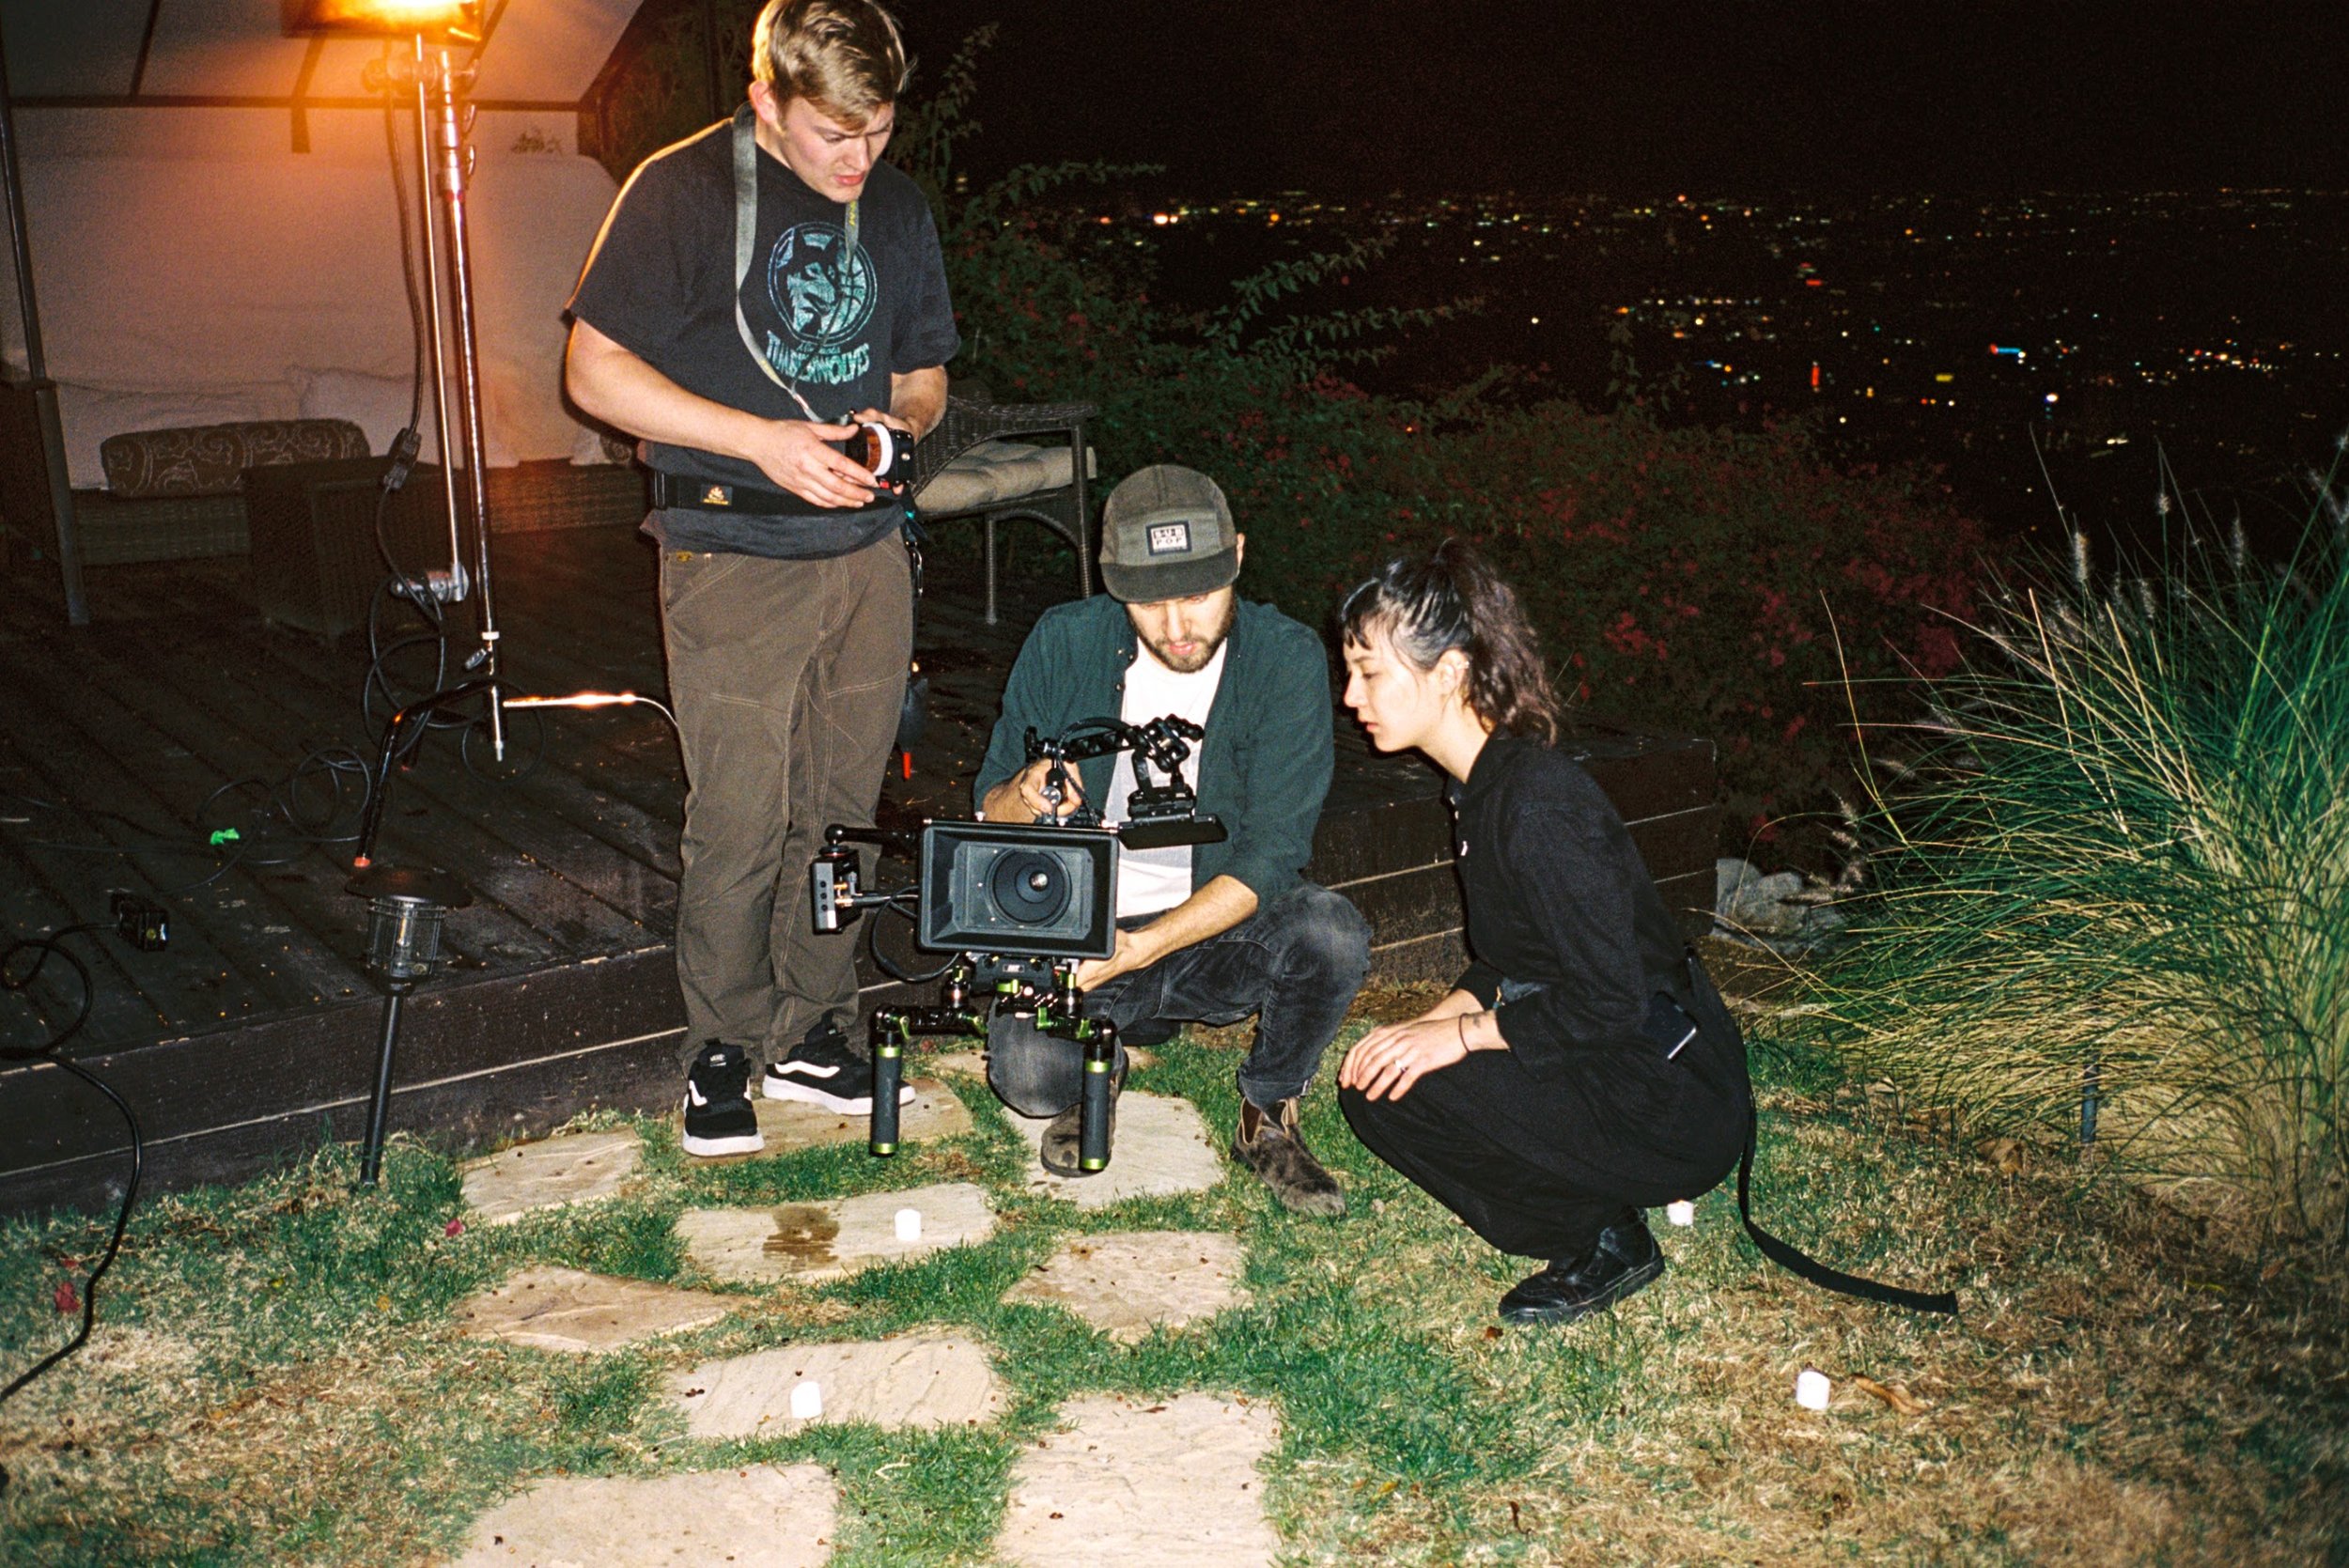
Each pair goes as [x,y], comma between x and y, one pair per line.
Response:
[782,1088]
[741,1144]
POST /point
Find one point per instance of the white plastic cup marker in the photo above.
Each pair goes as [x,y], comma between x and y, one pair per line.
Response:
[1681,1212]
[1811,1389]
[908,1224]
[807,1400]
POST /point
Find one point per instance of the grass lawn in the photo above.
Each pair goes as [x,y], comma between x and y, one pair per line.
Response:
[276,1377]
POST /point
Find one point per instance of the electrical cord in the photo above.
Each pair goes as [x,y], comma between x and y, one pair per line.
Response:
[45,948]
[872,945]
[289,820]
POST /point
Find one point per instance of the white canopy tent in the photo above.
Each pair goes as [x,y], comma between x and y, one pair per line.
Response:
[215,231]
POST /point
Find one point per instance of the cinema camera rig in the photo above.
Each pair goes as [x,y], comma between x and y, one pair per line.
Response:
[1019,906]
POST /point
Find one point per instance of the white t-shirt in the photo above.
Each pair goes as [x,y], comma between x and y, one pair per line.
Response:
[1152,881]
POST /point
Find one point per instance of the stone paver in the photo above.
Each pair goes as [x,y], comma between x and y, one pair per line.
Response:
[562,1308]
[1130,1283]
[929,1379]
[568,1168]
[759,1516]
[1162,1146]
[789,1125]
[1144,1484]
[828,1240]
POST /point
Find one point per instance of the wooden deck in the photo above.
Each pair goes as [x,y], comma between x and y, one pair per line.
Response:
[125,745]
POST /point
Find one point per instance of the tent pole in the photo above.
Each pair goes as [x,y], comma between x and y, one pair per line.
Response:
[719,108]
[44,391]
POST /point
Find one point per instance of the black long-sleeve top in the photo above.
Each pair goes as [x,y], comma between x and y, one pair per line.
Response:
[1557,898]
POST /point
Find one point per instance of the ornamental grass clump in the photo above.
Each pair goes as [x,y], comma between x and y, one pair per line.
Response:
[2115,903]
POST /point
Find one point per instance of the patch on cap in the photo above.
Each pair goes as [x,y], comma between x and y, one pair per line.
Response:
[1170,538]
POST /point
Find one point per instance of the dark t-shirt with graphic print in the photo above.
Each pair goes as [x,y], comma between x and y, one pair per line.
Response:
[660,282]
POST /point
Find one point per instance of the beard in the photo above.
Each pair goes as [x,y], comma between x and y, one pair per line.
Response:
[1209,643]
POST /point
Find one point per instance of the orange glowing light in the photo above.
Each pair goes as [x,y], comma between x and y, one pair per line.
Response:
[382,18]
[576,699]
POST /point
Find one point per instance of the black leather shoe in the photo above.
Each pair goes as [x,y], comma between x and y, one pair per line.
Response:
[1624,1259]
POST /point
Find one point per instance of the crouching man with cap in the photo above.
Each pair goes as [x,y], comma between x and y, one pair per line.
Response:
[1211,933]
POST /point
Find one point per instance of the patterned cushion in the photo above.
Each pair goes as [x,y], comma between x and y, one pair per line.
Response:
[205,460]
[996,471]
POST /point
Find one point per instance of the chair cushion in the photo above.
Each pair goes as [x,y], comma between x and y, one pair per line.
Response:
[205,460]
[993,472]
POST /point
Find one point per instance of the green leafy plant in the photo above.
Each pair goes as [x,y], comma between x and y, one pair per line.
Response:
[2118,880]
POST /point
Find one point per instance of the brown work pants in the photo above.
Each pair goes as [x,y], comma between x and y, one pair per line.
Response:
[787,677]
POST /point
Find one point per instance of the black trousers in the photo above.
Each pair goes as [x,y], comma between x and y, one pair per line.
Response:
[1539,1165]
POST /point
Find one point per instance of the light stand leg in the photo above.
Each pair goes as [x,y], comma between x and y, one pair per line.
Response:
[371,1154]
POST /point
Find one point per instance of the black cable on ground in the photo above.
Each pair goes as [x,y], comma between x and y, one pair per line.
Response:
[281,825]
[45,948]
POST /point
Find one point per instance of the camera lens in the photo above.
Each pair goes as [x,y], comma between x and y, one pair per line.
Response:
[1029,886]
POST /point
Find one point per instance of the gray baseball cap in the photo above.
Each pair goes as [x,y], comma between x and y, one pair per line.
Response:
[1167,532]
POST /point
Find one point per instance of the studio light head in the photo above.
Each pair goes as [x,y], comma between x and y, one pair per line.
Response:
[453,20]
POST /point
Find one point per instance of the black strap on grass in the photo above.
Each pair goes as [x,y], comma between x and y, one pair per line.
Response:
[1811,1269]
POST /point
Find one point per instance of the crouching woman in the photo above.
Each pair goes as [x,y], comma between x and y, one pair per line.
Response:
[1582,1069]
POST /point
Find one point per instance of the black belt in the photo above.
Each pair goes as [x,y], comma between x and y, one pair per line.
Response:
[712,495]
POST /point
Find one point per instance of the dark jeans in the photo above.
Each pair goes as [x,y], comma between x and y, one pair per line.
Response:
[787,677]
[1295,964]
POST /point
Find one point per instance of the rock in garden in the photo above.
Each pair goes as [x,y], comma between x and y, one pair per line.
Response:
[1161,1147]
[1150,1483]
[828,1240]
[549,1172]
[1128,1283]
[757,1516]
[929,1379]
[1777,910]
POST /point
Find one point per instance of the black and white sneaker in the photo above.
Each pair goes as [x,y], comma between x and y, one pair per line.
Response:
[822,1070]
[719,1117]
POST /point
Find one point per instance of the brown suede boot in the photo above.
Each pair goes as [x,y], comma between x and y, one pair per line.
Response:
[1268,1143]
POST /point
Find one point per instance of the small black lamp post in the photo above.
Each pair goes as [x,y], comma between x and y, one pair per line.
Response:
[405,908]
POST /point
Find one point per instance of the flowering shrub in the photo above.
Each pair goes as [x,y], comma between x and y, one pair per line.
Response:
[1711,581]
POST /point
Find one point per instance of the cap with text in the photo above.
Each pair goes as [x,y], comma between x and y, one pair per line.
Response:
[1166,533]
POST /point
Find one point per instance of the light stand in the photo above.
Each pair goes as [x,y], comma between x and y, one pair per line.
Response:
[405,912]
[435,29]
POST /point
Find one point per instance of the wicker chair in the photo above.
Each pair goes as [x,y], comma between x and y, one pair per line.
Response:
[953,481]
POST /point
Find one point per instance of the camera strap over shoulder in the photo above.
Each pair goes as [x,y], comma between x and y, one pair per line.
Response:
[746,242]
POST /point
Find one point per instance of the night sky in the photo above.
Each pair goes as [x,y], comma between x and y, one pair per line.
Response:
[1725,97]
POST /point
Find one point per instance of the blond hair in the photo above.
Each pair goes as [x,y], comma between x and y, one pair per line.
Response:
[843,57]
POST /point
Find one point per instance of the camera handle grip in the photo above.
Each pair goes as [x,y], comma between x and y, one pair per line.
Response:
[1095,1108]
[889,1072]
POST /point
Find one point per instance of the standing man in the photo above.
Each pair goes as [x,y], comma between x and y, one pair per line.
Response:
[758,290]
[1211,932]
